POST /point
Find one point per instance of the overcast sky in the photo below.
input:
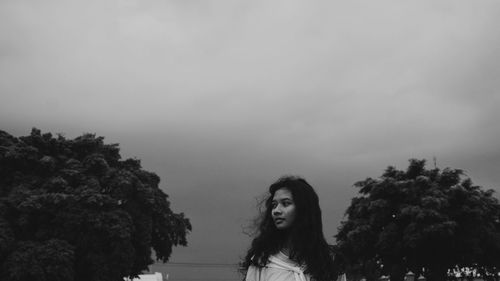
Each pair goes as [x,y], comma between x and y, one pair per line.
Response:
[220,98]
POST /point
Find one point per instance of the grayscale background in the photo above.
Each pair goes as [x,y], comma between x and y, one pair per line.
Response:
[221,97]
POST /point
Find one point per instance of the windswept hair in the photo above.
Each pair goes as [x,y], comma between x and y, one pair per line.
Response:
[309,246]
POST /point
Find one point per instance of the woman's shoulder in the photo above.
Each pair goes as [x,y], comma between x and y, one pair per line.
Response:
[276,270]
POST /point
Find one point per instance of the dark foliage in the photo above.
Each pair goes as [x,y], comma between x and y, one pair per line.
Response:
[73,210]
[426,221]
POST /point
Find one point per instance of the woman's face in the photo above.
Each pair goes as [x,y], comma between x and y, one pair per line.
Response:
[283,209]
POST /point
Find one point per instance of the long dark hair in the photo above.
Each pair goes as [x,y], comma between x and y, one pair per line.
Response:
[309,246]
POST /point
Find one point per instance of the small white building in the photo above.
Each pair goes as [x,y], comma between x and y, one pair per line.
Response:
[148,277]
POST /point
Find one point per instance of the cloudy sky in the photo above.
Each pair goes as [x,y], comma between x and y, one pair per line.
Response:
[220,98]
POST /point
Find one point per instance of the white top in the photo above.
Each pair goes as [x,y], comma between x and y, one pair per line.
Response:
[279,268]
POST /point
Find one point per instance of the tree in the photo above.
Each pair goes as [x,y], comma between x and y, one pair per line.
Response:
[73,210]
[423,220]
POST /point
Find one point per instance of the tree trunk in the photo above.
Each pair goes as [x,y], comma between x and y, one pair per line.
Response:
[437,274]
[397,273]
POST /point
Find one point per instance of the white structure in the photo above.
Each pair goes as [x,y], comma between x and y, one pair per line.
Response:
[147,277]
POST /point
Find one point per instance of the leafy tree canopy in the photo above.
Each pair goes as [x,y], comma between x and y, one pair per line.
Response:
[423,220]
[73,210]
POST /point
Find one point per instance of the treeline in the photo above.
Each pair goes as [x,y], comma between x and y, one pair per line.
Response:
[72,209]
[422,220]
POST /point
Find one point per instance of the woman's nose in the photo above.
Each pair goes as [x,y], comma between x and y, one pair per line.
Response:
[276,210]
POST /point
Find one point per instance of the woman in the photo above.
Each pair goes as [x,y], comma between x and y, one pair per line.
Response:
[290,245]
